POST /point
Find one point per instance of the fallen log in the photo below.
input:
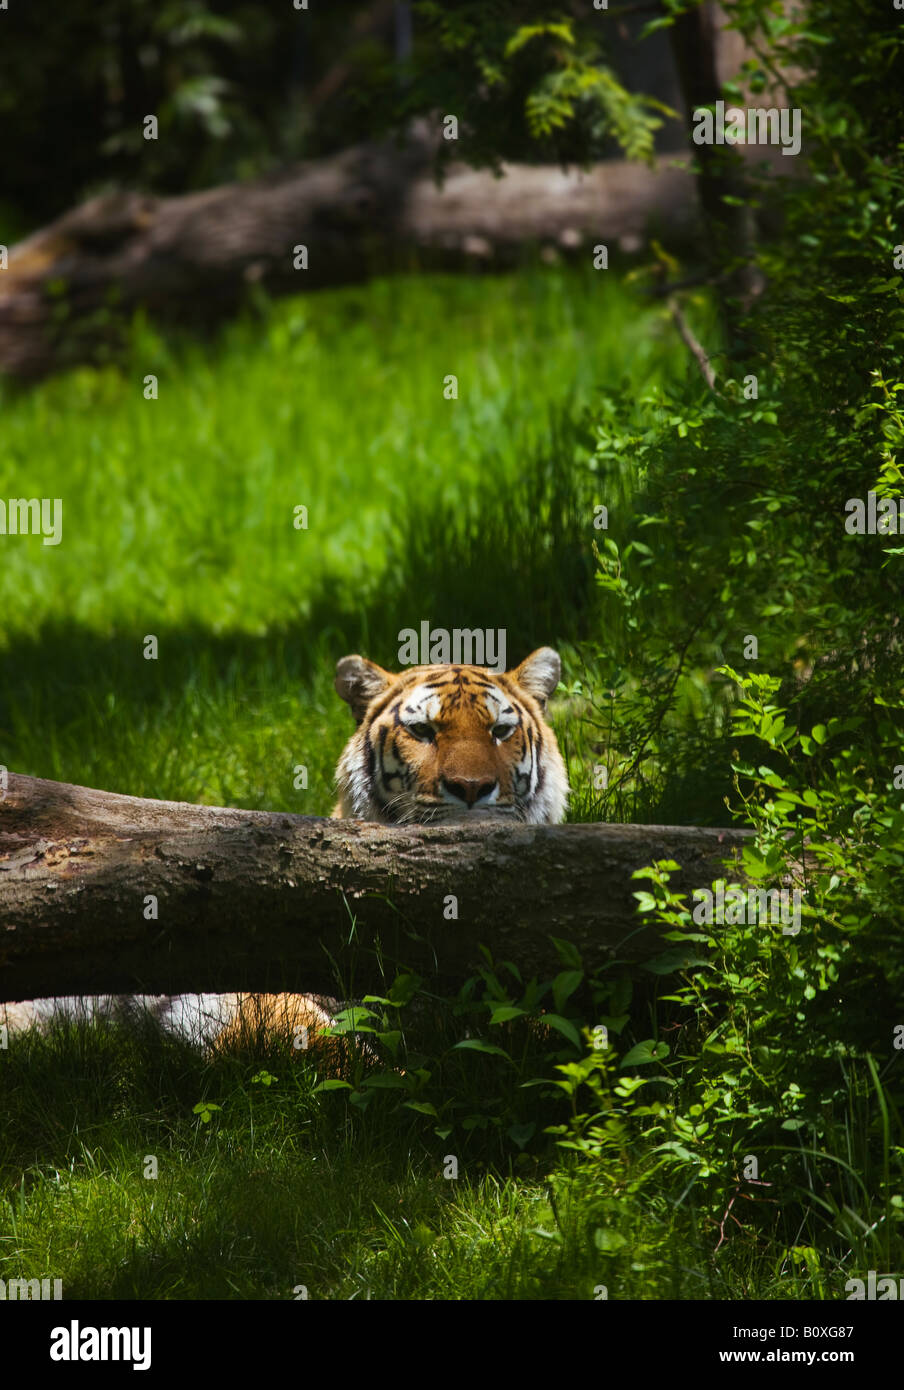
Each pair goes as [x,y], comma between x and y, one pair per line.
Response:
[69,288]
[102,893]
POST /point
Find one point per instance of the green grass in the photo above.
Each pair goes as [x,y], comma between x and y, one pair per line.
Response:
[285,1188]
[178,521]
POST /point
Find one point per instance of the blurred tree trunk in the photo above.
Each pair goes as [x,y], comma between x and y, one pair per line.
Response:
[729,227]
[70,288]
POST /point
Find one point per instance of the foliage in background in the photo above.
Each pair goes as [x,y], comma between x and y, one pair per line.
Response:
[529,85]
[240,89]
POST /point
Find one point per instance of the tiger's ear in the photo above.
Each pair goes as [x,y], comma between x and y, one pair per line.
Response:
[358,681]
[539,674]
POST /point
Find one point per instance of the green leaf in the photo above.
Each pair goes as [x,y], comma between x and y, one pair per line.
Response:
[663,21]
[568,953]
[648,1051]
[564,985]
[350,1020]
[505,1013]
[677,958]
[527,32]
[476,1045]
[403,988]
[609,1242]
[672,1146]
[205,1109]
[521,1134]
[563,1026]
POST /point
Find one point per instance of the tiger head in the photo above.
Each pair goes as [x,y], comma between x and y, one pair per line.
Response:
[440,744]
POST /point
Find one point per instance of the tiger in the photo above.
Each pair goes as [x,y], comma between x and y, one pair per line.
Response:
[436,745]
[433,745]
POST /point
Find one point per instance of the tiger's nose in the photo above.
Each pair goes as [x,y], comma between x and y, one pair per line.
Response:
[469,789]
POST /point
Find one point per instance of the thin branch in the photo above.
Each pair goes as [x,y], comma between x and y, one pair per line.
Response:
[691,343]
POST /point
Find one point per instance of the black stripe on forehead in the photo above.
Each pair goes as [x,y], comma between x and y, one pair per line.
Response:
[451,688]
[509,705]
[454,689]
[457,674]
[379,708]
[516,693]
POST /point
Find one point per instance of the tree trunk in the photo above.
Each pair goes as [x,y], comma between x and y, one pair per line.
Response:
[257,900]
[69,288]
[729,224]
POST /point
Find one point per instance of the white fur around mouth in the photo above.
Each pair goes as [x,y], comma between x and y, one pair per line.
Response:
[443,813]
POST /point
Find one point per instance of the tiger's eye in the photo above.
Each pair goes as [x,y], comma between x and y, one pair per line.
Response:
[503,731]
[422,732]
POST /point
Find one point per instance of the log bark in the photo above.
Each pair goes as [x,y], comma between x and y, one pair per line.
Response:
[257,900]
[70,287]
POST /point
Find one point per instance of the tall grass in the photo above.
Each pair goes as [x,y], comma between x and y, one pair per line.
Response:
[178,521]
[114,1185]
